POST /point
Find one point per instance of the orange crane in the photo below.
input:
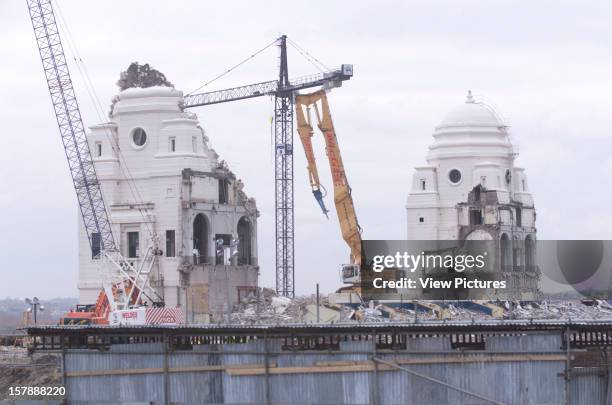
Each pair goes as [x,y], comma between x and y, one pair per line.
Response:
[345,208]
[98,313]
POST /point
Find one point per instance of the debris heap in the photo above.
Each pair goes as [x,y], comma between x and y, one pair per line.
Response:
[266,307]
[20,368]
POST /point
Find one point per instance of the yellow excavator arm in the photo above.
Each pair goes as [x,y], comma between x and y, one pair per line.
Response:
[351,231]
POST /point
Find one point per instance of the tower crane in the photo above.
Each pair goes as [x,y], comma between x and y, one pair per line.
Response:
[125,285]
[134,282]
[284,92]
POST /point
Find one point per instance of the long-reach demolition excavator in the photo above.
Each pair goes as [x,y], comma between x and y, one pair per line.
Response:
[345,208]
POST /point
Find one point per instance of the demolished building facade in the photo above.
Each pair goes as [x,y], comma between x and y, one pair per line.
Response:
[471,189]
[471,148]
[162,180]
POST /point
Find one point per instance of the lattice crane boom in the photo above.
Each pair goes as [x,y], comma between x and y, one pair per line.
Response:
[125,284]
[68,116]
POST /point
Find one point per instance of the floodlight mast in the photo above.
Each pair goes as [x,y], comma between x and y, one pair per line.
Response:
[34,306]
[125,283]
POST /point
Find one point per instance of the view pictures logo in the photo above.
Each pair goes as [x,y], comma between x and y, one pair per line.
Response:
[411,262]
[469,269]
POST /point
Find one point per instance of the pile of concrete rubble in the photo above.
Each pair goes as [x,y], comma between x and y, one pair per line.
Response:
[20,368]
[599,309]
[266,307]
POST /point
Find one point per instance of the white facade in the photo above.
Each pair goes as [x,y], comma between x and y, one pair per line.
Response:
[158,173]
[471,148]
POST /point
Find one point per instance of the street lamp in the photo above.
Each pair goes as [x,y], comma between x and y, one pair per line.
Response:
[34,307]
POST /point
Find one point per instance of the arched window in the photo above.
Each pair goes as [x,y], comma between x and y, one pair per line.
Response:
[244,241]
[505,253]
[517,254]
[201,231]
[530,254]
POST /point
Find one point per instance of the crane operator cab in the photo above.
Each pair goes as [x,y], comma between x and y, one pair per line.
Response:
[347,70]
[350,273]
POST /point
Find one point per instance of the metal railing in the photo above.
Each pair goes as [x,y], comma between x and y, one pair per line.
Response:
[217,260]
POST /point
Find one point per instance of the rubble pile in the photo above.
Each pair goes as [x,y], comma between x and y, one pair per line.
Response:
[266,307]
[20,368]
[458,313]
[561,310]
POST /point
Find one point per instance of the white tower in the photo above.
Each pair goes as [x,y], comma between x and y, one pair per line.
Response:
[470,187]
[160,177]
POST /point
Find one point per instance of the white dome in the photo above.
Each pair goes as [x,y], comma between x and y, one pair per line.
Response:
[146,92]
[471,114]
[149,99]
[471,131]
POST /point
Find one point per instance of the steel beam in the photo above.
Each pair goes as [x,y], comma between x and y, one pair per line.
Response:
[436,381]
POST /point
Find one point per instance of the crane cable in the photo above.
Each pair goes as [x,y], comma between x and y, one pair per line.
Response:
[123,166]
[82,69]
[234,67]
[308,56]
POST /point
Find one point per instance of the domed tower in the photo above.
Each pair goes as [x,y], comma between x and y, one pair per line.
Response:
[471,187]
[164,184]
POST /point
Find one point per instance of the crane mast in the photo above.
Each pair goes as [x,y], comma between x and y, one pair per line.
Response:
[284,91]
[283,179]
[124,284]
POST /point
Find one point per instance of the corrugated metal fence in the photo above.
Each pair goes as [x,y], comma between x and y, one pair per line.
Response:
[510,368]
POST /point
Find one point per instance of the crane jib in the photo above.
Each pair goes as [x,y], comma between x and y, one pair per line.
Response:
[67,114]
[328,79]
[128,277]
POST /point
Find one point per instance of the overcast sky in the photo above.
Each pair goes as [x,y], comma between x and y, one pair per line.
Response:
[546,67]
